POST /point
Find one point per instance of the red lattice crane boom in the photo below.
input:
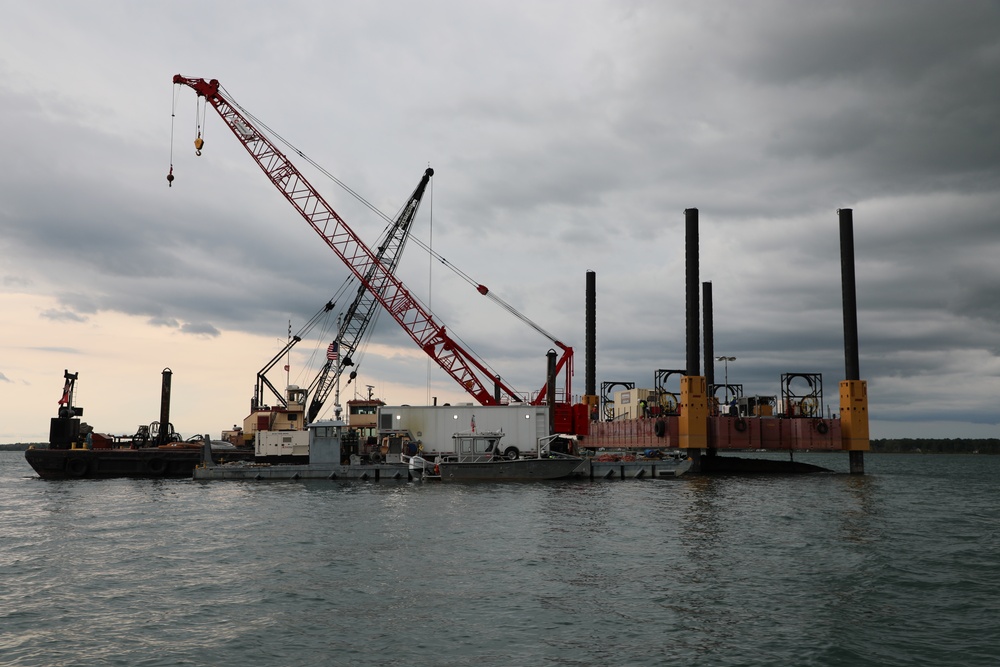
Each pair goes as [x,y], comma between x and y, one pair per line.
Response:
[416,320]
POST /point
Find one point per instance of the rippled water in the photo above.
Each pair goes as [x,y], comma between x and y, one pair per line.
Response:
[898,567]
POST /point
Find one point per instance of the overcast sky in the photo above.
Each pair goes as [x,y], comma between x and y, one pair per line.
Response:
[566,136]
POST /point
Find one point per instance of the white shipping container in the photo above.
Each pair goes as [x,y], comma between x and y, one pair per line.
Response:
[433,426]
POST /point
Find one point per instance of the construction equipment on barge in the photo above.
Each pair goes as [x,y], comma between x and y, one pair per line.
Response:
[693,422]
[76,451]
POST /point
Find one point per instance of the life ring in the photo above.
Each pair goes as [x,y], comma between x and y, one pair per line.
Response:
[511,453]
[822,428]
[740,424]
[156,466]
[76,466]
[660,428]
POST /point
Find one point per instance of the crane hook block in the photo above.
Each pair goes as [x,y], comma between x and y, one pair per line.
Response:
[170,178]
[198,143]
[483,289]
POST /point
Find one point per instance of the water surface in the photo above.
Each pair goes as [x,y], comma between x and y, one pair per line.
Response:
[897,567]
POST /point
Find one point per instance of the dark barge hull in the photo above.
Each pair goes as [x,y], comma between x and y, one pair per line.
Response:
[520,470]
[149,462]
[735,465]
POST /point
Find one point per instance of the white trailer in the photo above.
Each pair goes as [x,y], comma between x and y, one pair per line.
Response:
[432,427]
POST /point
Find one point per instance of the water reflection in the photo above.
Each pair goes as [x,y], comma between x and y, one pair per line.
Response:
[861,512]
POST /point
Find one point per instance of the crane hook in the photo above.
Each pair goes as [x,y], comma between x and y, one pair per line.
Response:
[170,177]
[198,143]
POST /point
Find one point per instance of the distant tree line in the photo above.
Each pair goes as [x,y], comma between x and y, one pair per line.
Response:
[937,445]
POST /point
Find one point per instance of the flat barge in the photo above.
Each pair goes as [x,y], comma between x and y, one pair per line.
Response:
[379,472]
[152,462]
[76,451]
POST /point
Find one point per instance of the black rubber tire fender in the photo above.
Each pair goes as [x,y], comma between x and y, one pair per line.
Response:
[77,466]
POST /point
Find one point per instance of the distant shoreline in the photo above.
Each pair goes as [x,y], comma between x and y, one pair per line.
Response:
[21,446]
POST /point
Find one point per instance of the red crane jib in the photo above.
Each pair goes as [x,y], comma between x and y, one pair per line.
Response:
[418,322]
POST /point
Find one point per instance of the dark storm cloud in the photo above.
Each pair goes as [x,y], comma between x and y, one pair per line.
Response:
[136,251]
[903,86]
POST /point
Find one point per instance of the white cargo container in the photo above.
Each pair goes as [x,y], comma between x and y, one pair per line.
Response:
[433,426]
[282,446]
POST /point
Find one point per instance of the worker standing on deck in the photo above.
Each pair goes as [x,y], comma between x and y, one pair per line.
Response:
[643,408]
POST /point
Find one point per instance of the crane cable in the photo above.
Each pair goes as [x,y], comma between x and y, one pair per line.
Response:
[482,289]
[173,115]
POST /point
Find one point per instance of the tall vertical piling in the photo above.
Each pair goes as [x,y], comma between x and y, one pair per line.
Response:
[550,388]
[709,334]
[709,348]
[590,345]
[691,272]
[853,390]
[693,423]
[164,433]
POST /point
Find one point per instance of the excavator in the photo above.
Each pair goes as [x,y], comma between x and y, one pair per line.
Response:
[375,277]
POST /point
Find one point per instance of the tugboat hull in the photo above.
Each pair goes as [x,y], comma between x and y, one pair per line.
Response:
[519,470]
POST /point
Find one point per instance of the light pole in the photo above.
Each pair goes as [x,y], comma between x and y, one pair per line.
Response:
[726,361]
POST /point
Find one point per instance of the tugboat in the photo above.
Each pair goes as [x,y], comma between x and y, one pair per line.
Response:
[480,457]
[77,451]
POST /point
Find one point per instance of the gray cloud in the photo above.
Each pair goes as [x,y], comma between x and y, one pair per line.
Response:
[199,329]
[63,316]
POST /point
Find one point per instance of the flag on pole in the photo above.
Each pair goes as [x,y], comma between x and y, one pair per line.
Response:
[333,351]
[65,395]
[473,423]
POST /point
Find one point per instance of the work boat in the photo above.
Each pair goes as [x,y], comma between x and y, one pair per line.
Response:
[480,457]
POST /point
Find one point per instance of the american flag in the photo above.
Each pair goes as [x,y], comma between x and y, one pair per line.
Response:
[333,351]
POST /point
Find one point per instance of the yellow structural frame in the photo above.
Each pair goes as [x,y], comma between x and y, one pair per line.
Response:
[692,427]
[854,416]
